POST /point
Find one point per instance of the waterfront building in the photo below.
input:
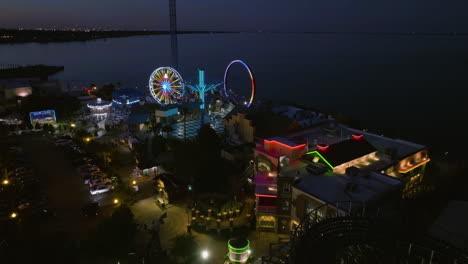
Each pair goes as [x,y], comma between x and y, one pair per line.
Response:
[324,162]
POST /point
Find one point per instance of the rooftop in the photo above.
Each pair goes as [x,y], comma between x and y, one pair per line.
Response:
[327,132]
[400,147]
[283,141]
[346,150]
[267,124]
[99,103]
[304,117]
[330,188]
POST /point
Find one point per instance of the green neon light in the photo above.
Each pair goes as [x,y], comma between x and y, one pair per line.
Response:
[238,260]
[320,155]
[240,253]
[238,249]
[414,167]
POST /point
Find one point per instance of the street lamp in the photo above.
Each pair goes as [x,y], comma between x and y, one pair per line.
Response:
[116,201]
[73,125]
[205,254]
[5,182]
[13,215]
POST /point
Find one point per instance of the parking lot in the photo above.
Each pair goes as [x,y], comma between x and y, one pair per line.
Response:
[61,182]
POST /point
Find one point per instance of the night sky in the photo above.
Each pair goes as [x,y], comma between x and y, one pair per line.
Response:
[281,15]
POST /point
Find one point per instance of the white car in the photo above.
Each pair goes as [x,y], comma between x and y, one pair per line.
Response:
[99,189]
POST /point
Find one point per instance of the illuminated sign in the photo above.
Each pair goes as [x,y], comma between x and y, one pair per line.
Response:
[46,116]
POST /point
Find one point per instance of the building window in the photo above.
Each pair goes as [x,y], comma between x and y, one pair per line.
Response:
[286,188]
[285,205]
[267,224]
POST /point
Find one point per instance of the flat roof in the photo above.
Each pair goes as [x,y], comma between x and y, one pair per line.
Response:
[347,150]
[331,188]
[402,148]
[327,132]
[283,141]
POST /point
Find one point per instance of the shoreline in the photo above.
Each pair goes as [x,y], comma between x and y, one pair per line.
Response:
[13,36]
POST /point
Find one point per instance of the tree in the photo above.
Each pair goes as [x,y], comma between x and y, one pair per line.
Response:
[46,127]
[37,125]
[185,248]
[51,129]
[81,133]
[159,144]
[112,238]
[64,105]
[184,112]
[199,161]
[105,92]
[167,129]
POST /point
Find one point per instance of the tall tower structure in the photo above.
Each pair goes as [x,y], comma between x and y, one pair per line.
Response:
[173,32]
[201,88]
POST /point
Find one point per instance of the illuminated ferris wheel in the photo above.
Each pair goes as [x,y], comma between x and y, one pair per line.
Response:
[166,85]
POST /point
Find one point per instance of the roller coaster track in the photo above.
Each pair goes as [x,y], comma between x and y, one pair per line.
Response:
[359,234]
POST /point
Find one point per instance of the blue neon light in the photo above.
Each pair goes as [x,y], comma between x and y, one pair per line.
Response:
[42,116]
[128,102]
[132,102]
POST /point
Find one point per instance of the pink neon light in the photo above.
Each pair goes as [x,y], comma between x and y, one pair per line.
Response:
[284,145]
[265,195]
[357,136]
[323,147]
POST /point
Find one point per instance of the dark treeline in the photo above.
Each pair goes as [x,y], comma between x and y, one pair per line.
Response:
[44,36]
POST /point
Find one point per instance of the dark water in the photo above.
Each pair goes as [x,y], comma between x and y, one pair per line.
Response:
[411,86]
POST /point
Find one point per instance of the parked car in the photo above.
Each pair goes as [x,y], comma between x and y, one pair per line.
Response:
[24,174]
[23,169]
[79,162]
[99,189]
[88,178]
[87,166]
[99,181]
[62,142]
[91,174]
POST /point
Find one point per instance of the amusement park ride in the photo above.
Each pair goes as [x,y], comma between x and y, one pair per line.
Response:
[167,87]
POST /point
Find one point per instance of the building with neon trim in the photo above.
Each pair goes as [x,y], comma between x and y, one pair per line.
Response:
[238,251]
[326,163]
[99,109]
[126,96]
